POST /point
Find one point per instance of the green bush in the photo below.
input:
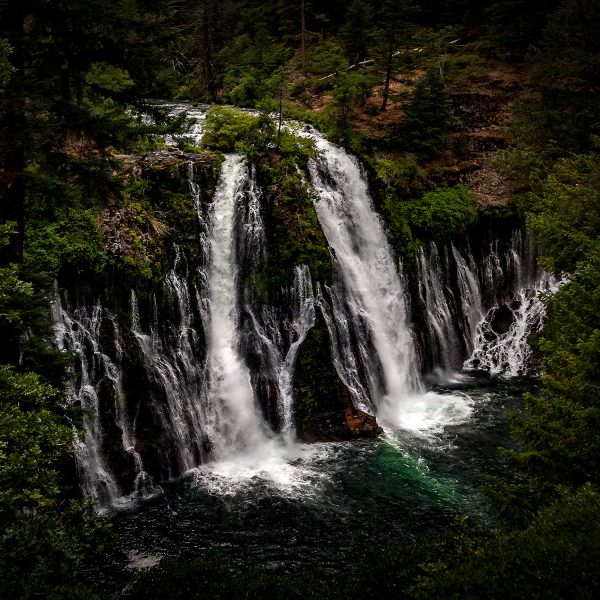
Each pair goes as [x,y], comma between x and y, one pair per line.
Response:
[226,128]
[71,244]
[460,68]
[441,213]
[401,175]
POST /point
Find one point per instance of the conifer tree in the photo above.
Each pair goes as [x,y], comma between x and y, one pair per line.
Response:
[427,118]
[357,29]
[395,26]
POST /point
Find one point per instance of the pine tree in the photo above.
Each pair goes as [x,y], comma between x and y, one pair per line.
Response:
[357,31]
[427,119]
[70,81]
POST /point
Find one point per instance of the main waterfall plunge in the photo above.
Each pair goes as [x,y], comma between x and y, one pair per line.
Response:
[173,388]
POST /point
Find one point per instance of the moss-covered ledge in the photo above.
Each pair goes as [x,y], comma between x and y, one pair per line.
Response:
[155,211]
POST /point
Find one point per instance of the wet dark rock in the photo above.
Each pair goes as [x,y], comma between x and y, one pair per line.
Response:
[503,318]
[324,411]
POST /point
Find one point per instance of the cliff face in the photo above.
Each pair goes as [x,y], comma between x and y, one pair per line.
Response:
[483,110]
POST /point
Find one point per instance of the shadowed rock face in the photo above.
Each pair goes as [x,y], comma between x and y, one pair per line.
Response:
[324,409]
[339,426]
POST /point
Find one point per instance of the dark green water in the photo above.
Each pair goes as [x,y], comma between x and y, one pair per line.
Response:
[321,503]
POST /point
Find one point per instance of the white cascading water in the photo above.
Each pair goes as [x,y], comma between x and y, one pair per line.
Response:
[281,348]
[79,333]
[236,426]
[434,295]
[206,405]
[471,304]
[174,367]
[373,291]
[508,353]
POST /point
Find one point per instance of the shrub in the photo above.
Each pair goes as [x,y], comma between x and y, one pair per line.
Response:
[441,213]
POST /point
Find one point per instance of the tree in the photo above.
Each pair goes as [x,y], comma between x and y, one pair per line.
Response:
[70,87]
[395,27]
[564,216]
[427,118]
[357,29]
[566,79]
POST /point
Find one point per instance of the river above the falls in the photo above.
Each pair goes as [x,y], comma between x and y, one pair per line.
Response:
[323,503]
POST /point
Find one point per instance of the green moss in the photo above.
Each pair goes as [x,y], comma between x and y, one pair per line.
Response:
[294,235]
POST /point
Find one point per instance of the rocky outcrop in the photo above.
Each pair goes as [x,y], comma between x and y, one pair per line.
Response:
[324,409]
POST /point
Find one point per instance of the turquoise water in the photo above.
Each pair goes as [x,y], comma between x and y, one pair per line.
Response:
[324,503]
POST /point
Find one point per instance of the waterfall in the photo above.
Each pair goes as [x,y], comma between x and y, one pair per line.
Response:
[236,425]
[501,338]
[479,317]
[80,334]
[375,307]
[471,304]
[202,372]
[280,339]
[438,300]
[172,364]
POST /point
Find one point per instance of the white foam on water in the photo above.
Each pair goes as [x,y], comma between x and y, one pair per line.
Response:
[427,414]
[289,470]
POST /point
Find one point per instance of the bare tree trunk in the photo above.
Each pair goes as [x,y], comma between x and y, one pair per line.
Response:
[303,32]
[388,77]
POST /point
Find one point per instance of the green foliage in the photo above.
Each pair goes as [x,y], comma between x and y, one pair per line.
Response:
[108,77]
[561,429]
[6,68]
[401,175]
[565,214]
[459,69]
[47,555]
[565,114]
[72,244]
[248,64]
[350,88]
[441,213]
[44,541]
[325,57]
[427,118]
[294,234]
[399,230]
[555,557]
[227,129]
[357,31]
[32,442]
[14,295]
